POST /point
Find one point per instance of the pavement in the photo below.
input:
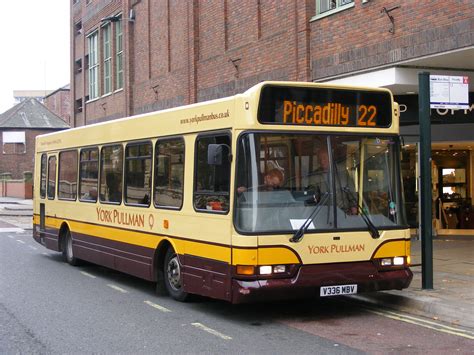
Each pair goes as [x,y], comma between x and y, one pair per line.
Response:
[451,300]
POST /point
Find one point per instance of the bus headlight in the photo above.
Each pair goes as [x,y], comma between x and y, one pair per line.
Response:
[395,261]
[266,270]
[275,269]
[279,269]
[386,262]
[398,260]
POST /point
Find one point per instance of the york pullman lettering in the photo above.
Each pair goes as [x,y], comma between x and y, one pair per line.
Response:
[122,218]
[333,248]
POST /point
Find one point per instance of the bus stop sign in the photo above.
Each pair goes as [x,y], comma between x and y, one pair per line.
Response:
[449,92]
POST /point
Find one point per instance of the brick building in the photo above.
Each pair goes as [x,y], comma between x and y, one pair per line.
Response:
[59,102]
[19,127]
[135,56]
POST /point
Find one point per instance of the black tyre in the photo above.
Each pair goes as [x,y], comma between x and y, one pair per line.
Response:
[68,253]
[173,276]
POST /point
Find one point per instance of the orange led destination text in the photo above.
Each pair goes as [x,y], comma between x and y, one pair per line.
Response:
[332,114]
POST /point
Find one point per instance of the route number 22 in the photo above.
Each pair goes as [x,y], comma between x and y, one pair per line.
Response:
[367,115]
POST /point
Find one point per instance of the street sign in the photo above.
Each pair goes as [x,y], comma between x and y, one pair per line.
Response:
[449,92]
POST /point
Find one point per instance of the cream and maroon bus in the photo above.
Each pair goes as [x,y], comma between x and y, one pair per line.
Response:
[180,196]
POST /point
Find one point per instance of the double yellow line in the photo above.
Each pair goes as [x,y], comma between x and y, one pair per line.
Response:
[423,323]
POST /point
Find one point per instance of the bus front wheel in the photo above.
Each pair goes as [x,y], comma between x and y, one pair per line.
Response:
[68,253]
[173,276]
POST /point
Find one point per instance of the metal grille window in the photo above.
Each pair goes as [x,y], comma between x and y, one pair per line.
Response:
[111,172]
[107,59]
[93,66]
[138,173]
[89,173]
[169,173]
[67,175]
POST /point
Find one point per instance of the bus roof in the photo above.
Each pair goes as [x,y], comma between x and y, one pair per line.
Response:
[235,112]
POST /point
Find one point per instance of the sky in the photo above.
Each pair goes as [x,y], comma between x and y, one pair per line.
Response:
[34,47]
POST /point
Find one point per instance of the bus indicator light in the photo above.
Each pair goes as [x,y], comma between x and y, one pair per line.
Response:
[245,269]
[166,224]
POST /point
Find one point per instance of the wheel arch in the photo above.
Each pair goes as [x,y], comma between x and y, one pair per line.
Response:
[62,233]
[159,258]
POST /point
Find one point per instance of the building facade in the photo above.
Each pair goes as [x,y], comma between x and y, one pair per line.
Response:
[135,56]
[59,102]
[19,127]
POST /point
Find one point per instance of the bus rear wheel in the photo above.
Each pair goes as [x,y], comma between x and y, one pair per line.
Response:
[173,276]
[68,253]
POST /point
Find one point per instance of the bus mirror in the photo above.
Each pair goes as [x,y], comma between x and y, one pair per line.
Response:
[215,153]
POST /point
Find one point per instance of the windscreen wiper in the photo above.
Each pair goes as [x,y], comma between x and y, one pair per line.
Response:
[299,234]
[372,228]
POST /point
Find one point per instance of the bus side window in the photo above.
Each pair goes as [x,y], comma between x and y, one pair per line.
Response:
[51,177]
[169,173]
[138,173]
[88,174]
[67,175]
[111,173]
[44,160]
[211,182]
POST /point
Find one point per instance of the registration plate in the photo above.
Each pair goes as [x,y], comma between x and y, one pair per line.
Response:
[338,290]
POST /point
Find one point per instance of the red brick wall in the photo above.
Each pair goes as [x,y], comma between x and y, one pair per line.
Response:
[179,52]
[60,104]
[17,164]
[359,38]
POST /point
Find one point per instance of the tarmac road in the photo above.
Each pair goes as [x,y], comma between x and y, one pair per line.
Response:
[47,306]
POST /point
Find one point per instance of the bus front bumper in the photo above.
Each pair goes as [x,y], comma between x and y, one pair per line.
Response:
[309,278]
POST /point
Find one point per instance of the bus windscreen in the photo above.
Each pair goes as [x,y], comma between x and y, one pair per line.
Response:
[303,106]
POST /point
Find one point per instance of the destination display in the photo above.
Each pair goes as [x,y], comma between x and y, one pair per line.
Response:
[325,107]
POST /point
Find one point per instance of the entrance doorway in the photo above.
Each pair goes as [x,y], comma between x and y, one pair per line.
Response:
[452,186]
[454,205]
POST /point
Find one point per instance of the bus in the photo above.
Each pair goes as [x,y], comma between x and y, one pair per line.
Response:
[288,190]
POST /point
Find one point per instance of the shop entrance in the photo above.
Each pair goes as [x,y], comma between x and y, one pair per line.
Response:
[452,187]
[454,205]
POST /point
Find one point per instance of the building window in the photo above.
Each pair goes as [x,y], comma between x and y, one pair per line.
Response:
[107,59]
[212,181]
[67,175]
[93,66]
[118,54]
[78,28]
[169,173]
[111,171]
[78,66]
[14,148]
[78,106]
[324,7]
[89,174]
[138,173]
[14,142]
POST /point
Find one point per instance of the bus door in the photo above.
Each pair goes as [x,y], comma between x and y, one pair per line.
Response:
[51,238]
[209,267]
